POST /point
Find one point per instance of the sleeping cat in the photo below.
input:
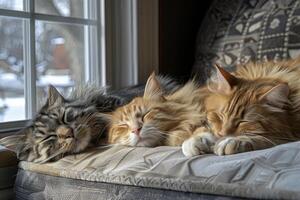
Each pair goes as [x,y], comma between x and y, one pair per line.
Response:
[257,107]
[65,126]
[69,125]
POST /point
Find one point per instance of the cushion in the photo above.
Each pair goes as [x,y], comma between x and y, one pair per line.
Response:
[271,173]
[36,186]
[236,32]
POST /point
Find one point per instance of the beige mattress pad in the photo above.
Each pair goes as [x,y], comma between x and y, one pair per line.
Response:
[271,173]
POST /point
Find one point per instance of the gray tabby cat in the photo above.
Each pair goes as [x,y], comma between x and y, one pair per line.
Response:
[67,126]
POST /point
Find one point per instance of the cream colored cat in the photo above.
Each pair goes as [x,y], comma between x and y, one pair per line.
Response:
[255,108]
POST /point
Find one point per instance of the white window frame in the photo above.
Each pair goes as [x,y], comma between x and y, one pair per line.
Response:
[95,58]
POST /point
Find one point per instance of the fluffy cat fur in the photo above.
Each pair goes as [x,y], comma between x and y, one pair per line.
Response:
[69,125]
[254,108]
[66,125]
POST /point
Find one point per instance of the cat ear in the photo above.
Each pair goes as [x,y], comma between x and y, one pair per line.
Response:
[54,97]
[277,96]
[225,81]
[153,88]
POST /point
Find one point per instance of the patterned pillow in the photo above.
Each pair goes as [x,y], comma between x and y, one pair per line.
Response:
[237,31]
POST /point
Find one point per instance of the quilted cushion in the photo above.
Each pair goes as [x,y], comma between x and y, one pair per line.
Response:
[268,174]
[235,32]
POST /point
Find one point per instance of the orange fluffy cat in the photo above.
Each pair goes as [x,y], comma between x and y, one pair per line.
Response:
[257,107]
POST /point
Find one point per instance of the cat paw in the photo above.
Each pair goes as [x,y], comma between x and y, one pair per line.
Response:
[198,145]
[232,145]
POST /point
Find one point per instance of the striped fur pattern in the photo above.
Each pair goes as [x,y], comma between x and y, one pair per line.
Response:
[257,107]
[158,119]
[69,125]
[66,126]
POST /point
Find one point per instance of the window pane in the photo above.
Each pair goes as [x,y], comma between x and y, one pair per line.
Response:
[60,56]
[12,4]
[12,101]
[68,8]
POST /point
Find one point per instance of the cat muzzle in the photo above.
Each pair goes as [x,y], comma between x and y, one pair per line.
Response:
[65,132]
[137,131]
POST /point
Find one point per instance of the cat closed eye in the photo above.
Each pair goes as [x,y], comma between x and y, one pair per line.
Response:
[54,116]
[146,115]
[123,126]
[69,115]
[241,123]
[214,116]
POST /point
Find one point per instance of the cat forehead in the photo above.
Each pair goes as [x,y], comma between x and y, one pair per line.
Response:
[130,110]
[67,106]
[222,103]
[136,104]
[216,102]
[244,96]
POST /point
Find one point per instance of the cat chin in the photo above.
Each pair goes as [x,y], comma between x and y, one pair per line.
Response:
[81,144]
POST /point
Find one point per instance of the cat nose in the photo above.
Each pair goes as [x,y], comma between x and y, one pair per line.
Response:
[137,131]
[65,132]
[69,133]
[222,134]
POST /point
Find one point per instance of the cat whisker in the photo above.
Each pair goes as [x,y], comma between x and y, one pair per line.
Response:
[47,139]
[167,135]
[273,136]
[267,139]
[159,133]
[283,138]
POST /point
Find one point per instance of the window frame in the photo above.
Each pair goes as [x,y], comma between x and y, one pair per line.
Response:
[95,61]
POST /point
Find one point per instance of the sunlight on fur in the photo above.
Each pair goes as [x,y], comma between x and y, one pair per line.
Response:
[254,108]
[70,125]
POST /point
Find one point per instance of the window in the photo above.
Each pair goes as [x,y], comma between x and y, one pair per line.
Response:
[44,42]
